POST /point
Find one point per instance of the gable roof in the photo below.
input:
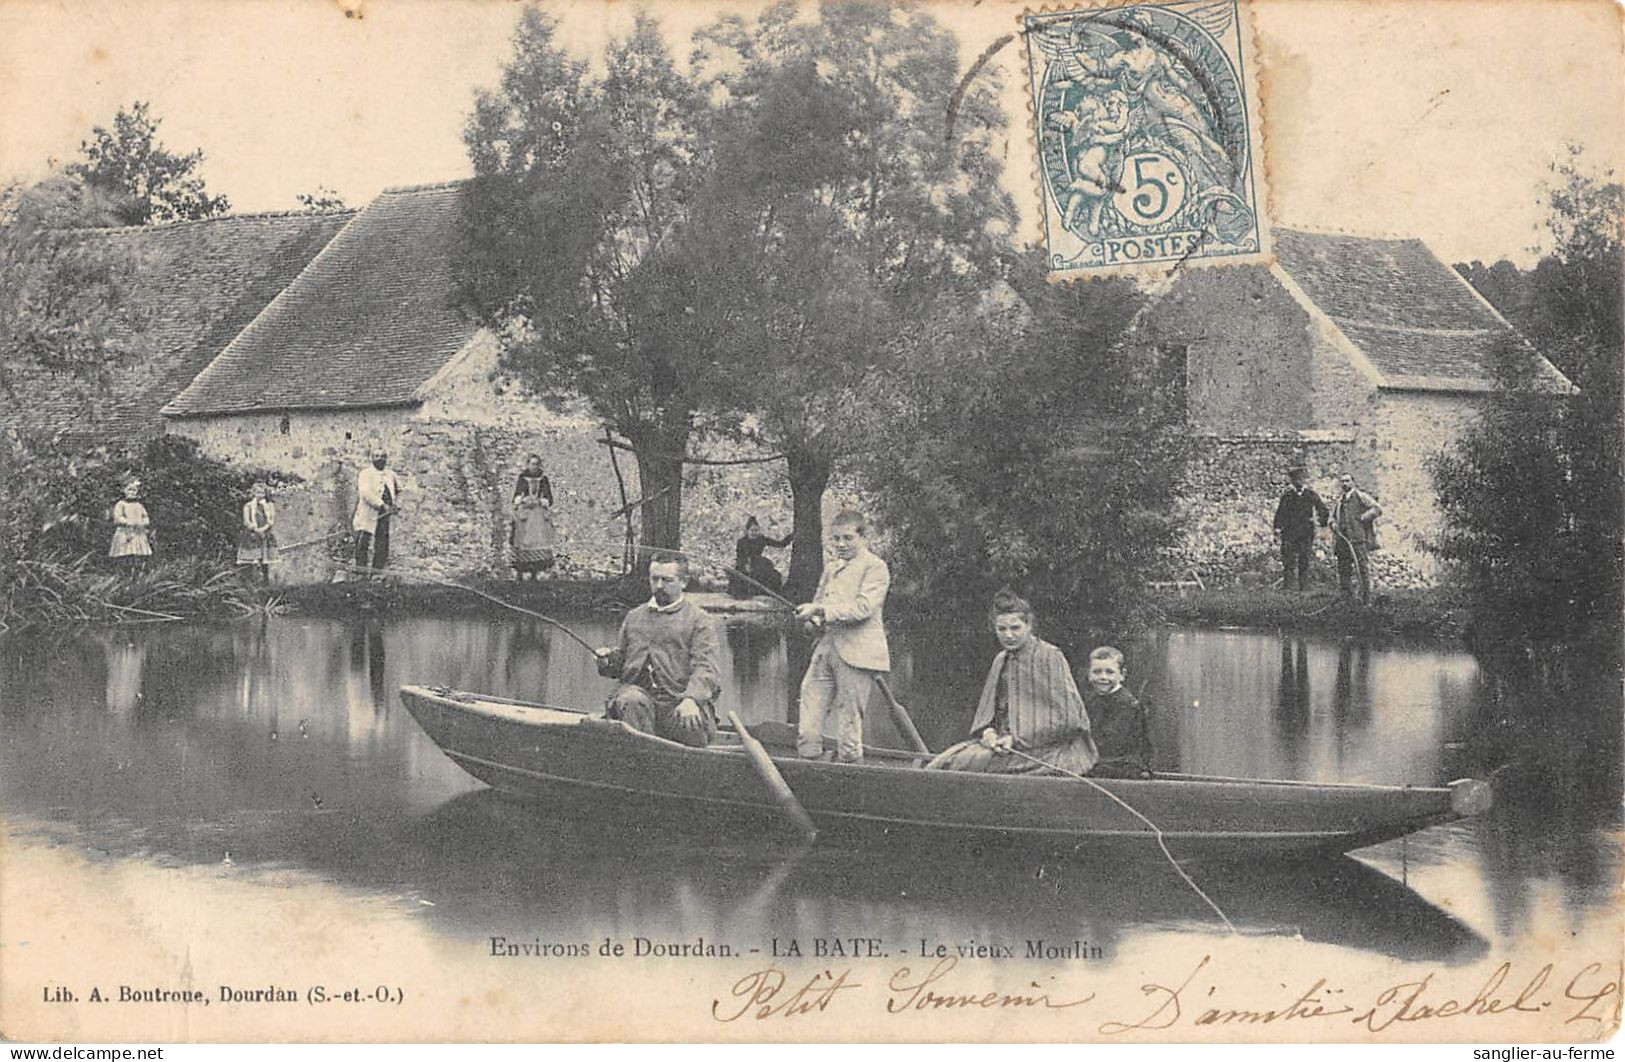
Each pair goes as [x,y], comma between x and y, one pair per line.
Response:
[191,287]
[1416,320]
[365,325]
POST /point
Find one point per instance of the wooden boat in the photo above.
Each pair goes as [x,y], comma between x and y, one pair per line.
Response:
[572,759]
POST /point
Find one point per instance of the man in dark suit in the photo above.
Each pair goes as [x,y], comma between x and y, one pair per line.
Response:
[1299,510]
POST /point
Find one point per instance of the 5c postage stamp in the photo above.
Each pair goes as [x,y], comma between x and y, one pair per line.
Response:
[1146,135]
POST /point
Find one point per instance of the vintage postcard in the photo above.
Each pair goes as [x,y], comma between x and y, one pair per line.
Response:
[580,522]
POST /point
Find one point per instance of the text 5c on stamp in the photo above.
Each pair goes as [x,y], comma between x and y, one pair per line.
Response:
[1146,131]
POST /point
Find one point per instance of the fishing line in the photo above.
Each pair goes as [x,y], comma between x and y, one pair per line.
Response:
[413,573]
[1153,826]
[727,567]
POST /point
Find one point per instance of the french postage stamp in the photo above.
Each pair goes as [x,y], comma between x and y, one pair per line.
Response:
[1145,129]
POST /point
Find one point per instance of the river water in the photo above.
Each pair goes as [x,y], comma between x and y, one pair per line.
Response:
[275,751]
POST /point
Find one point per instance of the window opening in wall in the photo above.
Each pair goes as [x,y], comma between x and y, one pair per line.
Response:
[1173,372]
[346,436]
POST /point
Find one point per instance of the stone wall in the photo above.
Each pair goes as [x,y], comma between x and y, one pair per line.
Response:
[1247,348]
[458,456]
[1407,429]
[1230,488]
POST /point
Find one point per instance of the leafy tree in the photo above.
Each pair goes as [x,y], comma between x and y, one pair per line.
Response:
[581,187]
[839,209]
[1038,454]
[147,182]
[64,316]
[322,201]
[1532,494]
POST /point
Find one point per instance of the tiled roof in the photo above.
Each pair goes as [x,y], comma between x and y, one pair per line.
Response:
[370,319]
[192,286]
[1413,317]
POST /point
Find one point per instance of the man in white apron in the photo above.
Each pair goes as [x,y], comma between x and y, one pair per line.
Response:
[376,491]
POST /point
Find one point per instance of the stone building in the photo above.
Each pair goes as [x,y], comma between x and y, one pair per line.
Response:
[188,288]
[367,347]
[1349,352]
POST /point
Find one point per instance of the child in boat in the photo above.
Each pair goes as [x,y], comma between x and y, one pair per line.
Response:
[1031,718]
[1121,731]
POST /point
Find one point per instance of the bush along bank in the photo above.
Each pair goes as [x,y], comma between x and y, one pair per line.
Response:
[56,525]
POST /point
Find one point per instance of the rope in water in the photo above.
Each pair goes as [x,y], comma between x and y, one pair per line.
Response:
[1155,830]
[413,573]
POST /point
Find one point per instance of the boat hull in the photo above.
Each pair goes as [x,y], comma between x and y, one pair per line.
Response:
[570,759]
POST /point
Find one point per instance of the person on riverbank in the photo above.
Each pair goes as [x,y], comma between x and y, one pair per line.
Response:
[1296,515]
[132,529]
[669,661]
[846,614]
[748,561]
[256,542]
[533,534]
[1354,535]
[1122,732]
[377,494]
[1031,718]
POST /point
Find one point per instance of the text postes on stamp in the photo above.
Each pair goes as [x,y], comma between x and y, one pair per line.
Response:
[1144,126]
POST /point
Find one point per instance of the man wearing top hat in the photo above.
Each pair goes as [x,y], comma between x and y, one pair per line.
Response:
[1296,515]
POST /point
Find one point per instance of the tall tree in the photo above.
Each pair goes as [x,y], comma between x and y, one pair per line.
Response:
[1532,494]
[1036,452]
[842,212]
[581,189]
[63,311]
[147,181]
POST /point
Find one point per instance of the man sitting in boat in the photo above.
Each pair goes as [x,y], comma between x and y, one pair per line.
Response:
[1031,718]
[668,661]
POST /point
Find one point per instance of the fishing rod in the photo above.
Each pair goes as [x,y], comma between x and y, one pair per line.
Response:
[312,541]
[413,573]
[702,558]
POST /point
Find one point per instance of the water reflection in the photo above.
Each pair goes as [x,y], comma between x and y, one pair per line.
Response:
[281,742]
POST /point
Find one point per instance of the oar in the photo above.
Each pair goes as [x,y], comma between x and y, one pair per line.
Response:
[900,717]
[770,776]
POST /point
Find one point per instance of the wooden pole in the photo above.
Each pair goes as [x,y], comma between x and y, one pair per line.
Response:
[770,776]
[900,716]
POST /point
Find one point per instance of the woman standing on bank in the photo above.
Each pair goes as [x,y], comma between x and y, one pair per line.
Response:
[256,542]
[533,533]
[132,527]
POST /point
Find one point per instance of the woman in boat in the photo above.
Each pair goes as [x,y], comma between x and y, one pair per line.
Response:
[748,561]
[533,533]
[1031,718]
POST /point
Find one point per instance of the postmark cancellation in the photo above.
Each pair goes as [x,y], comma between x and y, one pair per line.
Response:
[1145,126]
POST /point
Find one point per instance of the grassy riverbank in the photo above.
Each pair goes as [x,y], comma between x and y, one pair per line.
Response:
[1433,613]
[168,593]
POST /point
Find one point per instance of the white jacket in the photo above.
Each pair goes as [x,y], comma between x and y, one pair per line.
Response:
[369,496]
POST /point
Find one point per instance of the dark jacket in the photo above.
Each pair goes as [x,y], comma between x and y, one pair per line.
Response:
[1120,727]
[1299,511]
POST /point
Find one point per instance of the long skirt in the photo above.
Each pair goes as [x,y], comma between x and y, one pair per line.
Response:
[533,537]
[1074,753]
[256,547]
[130,542]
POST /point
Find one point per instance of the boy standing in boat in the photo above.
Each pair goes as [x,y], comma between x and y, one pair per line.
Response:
[851,649]
[668,662]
